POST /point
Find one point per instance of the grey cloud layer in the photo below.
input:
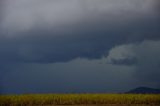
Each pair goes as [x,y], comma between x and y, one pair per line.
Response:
[51,31]
[58,31]
[27,14]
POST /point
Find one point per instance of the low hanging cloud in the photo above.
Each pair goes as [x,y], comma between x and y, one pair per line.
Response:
[147,64]
[60,31]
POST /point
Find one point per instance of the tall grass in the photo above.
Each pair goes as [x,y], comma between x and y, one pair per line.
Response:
[76,99]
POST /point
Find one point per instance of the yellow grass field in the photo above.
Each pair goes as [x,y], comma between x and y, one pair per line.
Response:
[79,99]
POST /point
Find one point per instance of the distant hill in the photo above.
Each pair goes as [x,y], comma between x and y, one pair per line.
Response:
[144,90]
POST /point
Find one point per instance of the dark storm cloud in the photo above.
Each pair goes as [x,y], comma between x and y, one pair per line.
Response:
[52,46]
[60,48]
[60,31]
[31,32]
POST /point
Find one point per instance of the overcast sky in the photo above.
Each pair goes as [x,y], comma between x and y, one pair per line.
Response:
[72,46]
